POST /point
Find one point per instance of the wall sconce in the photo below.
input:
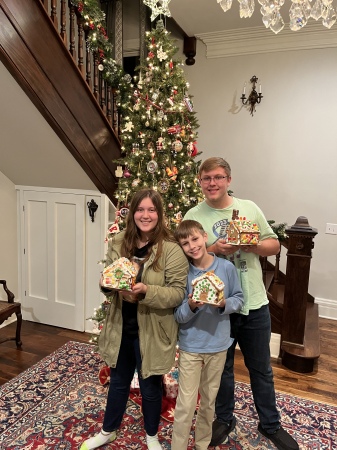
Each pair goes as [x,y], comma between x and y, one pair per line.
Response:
[253,97]
[92,206]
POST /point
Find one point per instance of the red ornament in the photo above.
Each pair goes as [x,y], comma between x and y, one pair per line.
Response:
[151,55]
[104,375]
[175,129]
[126,173]
[195,150]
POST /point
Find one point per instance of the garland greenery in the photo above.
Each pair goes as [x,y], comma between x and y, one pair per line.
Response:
[279,229]
[98,43]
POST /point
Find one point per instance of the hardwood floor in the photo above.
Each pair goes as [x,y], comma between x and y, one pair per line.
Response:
[41,340]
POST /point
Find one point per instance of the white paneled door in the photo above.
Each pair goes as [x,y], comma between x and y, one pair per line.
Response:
[54,258]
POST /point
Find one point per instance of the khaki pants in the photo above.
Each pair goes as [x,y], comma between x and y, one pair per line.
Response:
[197,371]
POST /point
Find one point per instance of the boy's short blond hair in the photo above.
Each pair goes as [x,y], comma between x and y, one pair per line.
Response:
[186,228]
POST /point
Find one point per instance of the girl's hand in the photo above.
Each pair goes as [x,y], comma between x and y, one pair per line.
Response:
[139,288]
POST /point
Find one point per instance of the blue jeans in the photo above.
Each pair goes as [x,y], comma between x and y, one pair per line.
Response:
[120,379]
[252,333]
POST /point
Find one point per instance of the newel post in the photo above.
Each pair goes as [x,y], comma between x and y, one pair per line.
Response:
[300,243]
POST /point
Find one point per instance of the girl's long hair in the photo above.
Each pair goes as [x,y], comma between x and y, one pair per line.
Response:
[159,234]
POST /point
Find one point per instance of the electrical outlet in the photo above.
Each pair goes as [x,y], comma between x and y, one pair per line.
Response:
[331,228]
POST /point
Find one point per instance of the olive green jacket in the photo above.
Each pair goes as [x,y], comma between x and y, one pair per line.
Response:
[158,329]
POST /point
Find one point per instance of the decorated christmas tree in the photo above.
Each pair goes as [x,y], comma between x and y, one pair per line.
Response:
[158,141]
[159,134]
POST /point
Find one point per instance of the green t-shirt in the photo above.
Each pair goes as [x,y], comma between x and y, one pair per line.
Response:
[215,223]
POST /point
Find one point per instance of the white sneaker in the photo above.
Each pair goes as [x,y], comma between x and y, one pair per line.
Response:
[100,439]
[153,443]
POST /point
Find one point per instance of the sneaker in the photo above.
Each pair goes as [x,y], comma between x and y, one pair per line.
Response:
[220,431]
[280,438]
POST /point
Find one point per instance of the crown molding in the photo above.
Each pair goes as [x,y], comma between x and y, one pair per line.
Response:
[248,41]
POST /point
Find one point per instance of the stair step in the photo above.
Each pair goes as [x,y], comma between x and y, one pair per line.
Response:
[302,358]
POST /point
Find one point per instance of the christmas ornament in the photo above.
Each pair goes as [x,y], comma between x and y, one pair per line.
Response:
[174,129]
[128,127]
[161,54]
[142,137]
[171,101]
[100,67]
[182,132]
[123,212]
[119,171]
[114,228]
[147,123]
[163,186]
[178,217]
[177,146]
[152,166]
[135,182]
[135,147]
[160,144]
[170,206]
[126,173]
[192,149]
[128,78]
[140,82]
[188,103]
[172,173]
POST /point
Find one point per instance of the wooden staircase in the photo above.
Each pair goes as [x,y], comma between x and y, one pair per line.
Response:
[294,314]
[74,101]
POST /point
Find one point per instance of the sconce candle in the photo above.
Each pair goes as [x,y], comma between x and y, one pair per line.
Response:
[253,97]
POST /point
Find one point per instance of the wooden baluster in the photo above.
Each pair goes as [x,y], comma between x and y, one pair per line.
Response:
[63,29]
[72,32]
[80,44]
[102,93]
[53,13]
[277,267]
[95,88]
[89,57]
[109,104]
[114,112]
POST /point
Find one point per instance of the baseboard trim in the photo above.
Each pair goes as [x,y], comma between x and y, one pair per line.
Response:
[327,308]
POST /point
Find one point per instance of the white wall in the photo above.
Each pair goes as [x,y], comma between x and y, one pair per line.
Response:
[285,157]
[8,237]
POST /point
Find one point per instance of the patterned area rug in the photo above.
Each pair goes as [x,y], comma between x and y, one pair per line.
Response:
[59,402]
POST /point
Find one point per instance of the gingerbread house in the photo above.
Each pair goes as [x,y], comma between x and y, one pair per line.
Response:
[120,275]
[208,288]
[241,231]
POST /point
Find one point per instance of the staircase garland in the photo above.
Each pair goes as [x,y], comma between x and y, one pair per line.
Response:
[98,42]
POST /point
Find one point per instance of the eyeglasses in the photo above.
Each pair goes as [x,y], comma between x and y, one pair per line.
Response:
[217,179]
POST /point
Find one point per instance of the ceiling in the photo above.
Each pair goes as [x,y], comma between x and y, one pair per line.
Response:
[197,17]
[204,16]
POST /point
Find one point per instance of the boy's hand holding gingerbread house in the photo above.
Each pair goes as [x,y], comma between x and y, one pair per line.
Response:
[208,288]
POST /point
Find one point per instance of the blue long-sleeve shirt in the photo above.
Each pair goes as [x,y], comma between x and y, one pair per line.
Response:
[207,328]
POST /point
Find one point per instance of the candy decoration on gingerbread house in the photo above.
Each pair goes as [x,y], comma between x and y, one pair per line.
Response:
[242,231]
[208,288]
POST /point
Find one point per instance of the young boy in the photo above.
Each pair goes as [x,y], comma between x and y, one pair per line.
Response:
[204,337]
